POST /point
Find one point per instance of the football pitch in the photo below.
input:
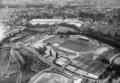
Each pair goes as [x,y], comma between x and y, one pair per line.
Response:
[77,45]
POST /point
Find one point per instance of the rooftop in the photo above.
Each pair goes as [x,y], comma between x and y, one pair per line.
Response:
[37,20]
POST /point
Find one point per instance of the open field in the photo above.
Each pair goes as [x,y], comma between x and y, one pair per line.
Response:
[64,30]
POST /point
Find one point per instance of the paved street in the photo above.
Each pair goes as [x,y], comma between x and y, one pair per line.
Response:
[40,42]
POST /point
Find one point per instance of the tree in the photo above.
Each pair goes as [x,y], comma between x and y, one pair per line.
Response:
[42,50]
[111,71]
[56,55]
[50,53]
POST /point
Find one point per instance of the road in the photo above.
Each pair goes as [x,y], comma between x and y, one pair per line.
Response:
[36,44]
[4,60]
[47,61]
[19,77]
[15,55]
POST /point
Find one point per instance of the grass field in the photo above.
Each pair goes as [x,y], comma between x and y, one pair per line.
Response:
[78,45]
[64,29]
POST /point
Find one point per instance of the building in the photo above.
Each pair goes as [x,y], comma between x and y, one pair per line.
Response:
[75,22]
[46,21]
[13,30]
[57,21]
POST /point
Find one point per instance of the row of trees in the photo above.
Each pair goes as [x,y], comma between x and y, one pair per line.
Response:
[108,16]
[68,33]
[112,72]
[98,35]
[112,18]
[38,26]
[94,16]
[21,16]
[41,50]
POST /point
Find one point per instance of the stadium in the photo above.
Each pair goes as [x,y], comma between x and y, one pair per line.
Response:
[80,55]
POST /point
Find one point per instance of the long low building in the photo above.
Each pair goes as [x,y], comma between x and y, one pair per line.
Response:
[45,21]
[75,22]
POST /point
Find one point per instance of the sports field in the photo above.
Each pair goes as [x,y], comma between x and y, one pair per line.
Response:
[77,45]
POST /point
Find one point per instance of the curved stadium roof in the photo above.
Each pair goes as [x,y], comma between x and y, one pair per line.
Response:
[50,77]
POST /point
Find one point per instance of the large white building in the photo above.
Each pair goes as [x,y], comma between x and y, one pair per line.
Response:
[75,22]
[46,21]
